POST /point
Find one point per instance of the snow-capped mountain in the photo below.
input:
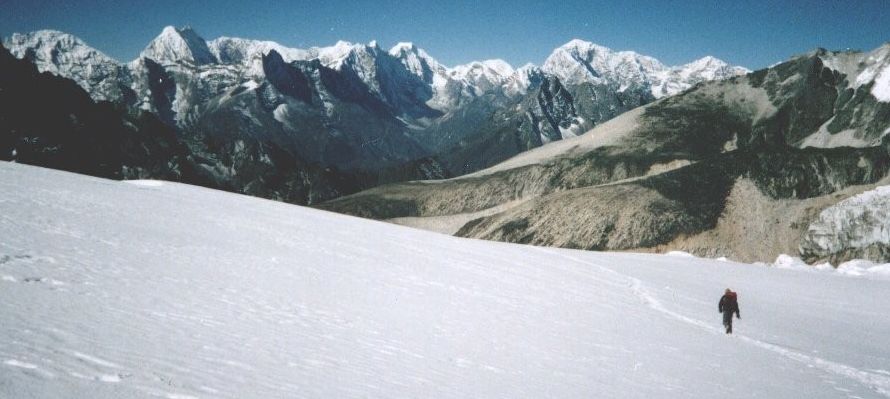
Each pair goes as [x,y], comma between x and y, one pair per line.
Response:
[574,63]
[353,106]
[674,80]
[483,76]
[65,55]
[418,62]
[51,121]
[448,92]
[578,62]
[179,45]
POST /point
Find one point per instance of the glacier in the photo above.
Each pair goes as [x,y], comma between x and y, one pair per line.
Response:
[154,289]
[857,224]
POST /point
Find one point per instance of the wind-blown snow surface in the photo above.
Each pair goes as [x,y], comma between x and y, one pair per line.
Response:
[110,289]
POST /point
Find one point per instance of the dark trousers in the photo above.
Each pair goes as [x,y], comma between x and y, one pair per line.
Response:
[727,322]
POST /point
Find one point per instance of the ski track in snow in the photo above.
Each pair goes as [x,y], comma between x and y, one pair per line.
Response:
[879,380]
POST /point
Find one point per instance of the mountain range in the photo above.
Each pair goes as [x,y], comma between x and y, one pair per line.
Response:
[595,149]
[779,161]
[359,112]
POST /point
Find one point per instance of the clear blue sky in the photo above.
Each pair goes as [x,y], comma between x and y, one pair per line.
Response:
[754,34]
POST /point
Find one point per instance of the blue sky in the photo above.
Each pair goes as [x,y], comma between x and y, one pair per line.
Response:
[754,34]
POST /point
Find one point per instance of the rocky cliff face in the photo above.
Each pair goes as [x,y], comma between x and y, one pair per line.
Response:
[691,172]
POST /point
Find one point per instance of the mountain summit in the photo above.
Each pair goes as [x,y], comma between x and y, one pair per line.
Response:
[179,45]
[579,61]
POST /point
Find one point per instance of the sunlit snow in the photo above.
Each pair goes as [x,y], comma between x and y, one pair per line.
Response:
[117,290]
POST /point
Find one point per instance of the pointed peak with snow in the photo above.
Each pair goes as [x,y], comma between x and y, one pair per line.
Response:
[175,45]
[713,63]
[583,46]
[419,63]
[580,61]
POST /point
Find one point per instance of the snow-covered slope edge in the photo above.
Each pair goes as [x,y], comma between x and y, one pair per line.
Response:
[110,289]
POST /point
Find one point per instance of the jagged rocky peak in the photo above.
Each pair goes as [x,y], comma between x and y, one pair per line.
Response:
[289,81]
[175,45]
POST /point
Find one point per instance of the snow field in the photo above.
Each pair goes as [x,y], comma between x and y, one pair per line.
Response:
[166,290]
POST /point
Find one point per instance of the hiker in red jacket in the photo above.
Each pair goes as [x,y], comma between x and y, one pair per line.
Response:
[729,304]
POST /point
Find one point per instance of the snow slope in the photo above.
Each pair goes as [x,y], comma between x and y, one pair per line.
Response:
[152,289]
